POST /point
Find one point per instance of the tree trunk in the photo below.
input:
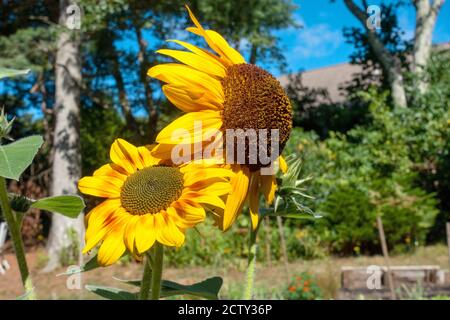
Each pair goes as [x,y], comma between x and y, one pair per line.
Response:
[389,62]
[143,68]
[131,122]
[65,233]
[426,15]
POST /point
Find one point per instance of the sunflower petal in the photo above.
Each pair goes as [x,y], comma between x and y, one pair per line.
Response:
[190,128]
[101,186]
[145,233]
[112,170]
[195,61]
[125,155]
[187,77]
[253,196]
[268,187]
[112,247]
[181,99]
[203,198]
[167,231]
[236,200]
[283,164]
[195,176]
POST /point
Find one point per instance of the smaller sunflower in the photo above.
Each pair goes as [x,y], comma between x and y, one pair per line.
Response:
[148,199]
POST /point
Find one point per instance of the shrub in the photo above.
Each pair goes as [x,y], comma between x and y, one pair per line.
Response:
[303,287]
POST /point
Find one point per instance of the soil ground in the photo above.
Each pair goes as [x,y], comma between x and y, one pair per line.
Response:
[271,280]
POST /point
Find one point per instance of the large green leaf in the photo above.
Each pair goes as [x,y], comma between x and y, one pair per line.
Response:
[207,289]
[67,205]
[17,156]
[112,293]
[7,73]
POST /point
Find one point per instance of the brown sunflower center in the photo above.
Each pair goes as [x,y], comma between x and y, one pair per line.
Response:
[151,189]
[254,99]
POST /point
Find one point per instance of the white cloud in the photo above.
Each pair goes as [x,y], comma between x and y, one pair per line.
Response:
[316,41]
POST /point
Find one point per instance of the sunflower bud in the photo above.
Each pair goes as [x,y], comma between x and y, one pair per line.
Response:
[5,125]
[20,203]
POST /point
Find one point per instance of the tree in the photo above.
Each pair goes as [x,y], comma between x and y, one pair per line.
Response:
[249,25]
[426,14]
[66,167]
[391,63]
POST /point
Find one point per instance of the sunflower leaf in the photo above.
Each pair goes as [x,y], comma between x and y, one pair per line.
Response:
[207,289]
[112,293]
[17,156]
[8,73]
[90,265]
[67,205]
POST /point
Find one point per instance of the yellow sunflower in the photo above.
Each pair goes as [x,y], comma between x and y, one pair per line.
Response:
[225,93]
[147,200]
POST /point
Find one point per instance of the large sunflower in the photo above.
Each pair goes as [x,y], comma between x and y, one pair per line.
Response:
[225,93]
[147,200]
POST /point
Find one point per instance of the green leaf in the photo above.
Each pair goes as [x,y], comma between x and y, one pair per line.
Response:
[67,205]
[17,156]
[7,73]
[90,265]
[112,293]
[207,289]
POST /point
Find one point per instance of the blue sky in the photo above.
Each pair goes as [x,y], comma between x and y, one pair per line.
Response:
[320,42]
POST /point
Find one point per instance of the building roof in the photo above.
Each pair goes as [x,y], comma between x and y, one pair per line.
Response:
[333,77]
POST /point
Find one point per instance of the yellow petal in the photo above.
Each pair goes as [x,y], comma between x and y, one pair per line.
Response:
[101,186]
[167,231]
[236,200]
[184,102]
[201,32]
[268,187]
[186,77]
[113,170]
[100,214]
[190,128]
[216,189]
[146,155]
[145,233]
[201,52]
[283,164]
[96,232]
[203,198]
[190,213]
[125,155]
[130,232]
[195,61]
[253,196]
[195,176]
[112,247]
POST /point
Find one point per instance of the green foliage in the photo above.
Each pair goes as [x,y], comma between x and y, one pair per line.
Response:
[67,205]
[69,254]
[379,168]
[303,287]
[17,156]
[206,289]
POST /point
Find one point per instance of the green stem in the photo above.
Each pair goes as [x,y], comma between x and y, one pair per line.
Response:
[250,278]
[146,279]
[16,237]
[157,271]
